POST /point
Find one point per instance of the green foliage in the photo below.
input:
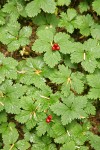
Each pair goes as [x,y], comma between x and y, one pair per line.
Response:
[14,36]
[96,7]
[8,68]
[63,2]
[83,6]
[86,54]
[34,7]
[68,20]
[49,75]
[94,82]
[71,108]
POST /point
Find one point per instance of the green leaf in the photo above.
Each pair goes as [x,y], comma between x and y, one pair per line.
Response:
[11,96]
[63,2]
[83,6]
[96,7]
[42,128]
[84,24]
[61,75]
[94,82]
[2,18]
[48,35]
[3,117]
[22,144]
[95,31]
[70,146]
[68,20]
[7,68]
[58,129]
[47,21]
[63,138]
[68,80]
[32,72]
[66,46]
[30,114]
[13,37]
[77,83]
[33,8]
[94,140]
[41,46]
[25,32]
[52,58]
[86,54]
[10,136]
[15,9]
[48,6]
[71,109]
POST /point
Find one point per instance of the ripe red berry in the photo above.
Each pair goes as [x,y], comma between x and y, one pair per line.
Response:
[55,45]
[50,117]
[57,48]
[53,48]
[48,120]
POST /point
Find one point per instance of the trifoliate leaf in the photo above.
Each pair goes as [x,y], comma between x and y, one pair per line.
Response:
[11,96]
[13,37]
[68,20]
[78,132]
[84,23]
[30,113]
[86,54]
[71,109]
[15,9]
[68,80]
[32,72]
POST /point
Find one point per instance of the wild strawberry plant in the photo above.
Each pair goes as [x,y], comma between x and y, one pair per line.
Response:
[49,75]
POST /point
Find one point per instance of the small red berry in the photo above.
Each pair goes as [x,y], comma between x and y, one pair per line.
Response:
[48,120]
[50,117]
[57,48]
[55,45]
[53,48]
